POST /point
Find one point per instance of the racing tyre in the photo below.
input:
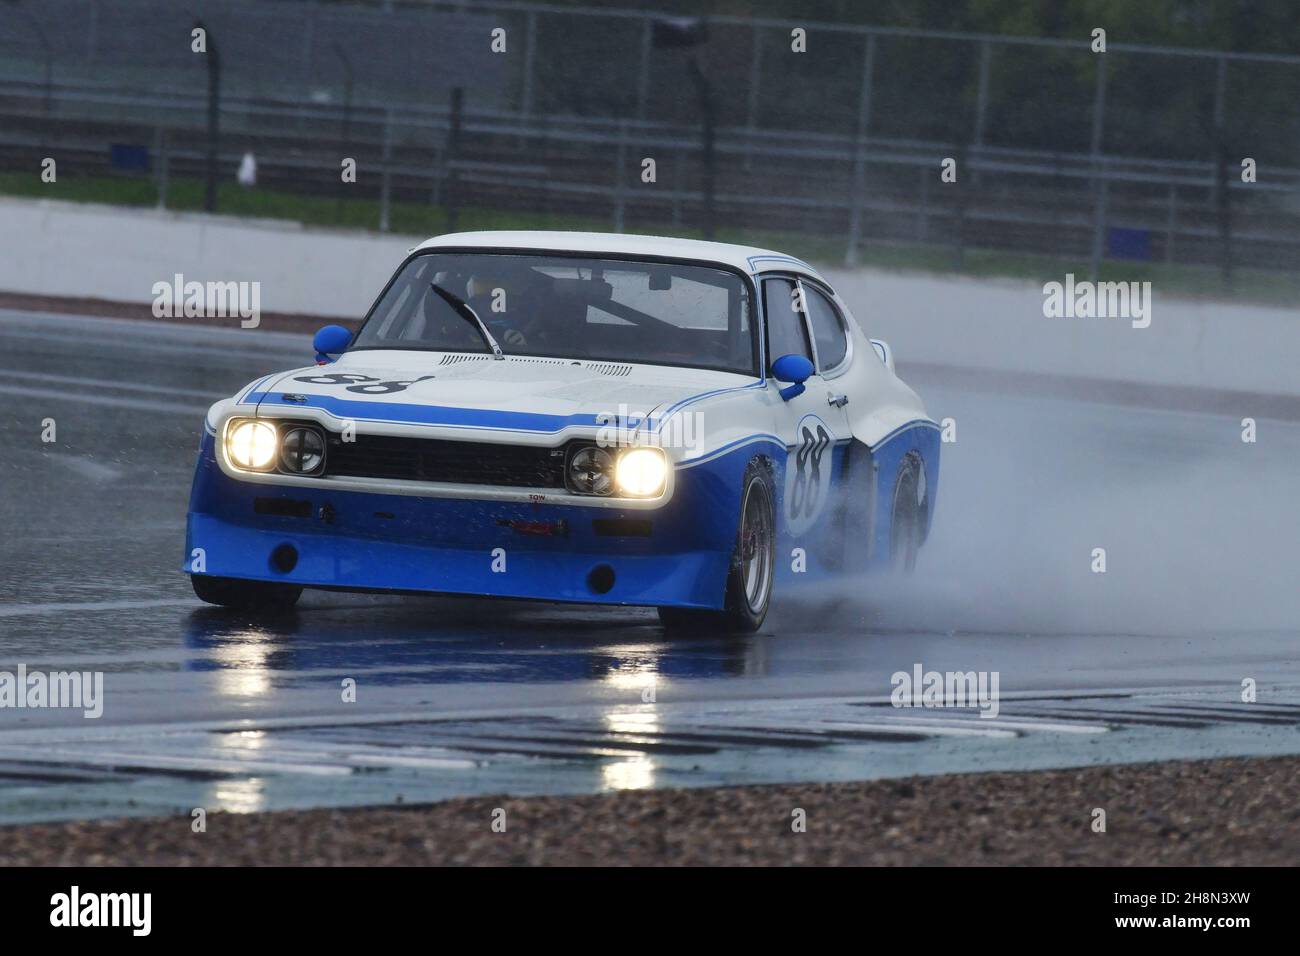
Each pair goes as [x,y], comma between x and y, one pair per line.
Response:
[753,565]
[246,595]
[907,523]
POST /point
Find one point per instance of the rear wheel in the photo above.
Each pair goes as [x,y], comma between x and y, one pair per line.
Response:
[246,595]
[753,564]
[907,521]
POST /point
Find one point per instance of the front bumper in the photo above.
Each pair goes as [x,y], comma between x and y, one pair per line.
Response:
[548,551]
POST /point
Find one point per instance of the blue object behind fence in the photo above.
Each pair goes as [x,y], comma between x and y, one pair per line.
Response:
[1128,243]
[129,157]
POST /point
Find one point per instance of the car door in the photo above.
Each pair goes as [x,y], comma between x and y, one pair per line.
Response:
[814,424]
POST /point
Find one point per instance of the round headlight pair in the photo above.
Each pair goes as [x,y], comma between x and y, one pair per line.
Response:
[591,471]
[641,472]
[302,450]
[634,472]
[254,445]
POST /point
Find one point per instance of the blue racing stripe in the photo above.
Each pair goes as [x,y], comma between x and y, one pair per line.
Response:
[703,395]
[731,446]
[432,414]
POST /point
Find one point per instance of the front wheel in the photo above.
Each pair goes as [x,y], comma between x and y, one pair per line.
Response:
[245,595]
[753,564]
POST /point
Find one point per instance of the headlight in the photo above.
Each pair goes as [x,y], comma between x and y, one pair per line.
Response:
[251,445]
[302,450]
[591,471]
[641,472]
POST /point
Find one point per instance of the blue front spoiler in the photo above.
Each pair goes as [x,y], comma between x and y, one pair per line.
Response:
[554,552]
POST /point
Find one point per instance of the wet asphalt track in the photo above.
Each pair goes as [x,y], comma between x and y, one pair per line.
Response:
[459,696]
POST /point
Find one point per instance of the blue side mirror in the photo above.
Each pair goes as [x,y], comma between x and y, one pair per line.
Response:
[792,368]
[330,340]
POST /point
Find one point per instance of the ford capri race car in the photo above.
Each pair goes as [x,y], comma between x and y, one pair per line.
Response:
[606,419]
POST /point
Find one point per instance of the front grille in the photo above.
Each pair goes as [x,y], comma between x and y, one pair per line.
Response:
[456,462]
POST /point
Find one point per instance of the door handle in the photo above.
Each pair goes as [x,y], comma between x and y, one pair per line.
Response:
[839,401]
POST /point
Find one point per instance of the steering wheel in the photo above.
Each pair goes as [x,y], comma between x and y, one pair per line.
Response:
[508,335]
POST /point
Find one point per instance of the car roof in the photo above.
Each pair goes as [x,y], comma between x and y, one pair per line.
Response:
[747,259]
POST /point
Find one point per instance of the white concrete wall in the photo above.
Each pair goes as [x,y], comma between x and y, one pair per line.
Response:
[108,252]
[999,324]
[71,249]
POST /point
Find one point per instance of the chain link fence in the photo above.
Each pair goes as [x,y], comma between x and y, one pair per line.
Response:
[1133,153]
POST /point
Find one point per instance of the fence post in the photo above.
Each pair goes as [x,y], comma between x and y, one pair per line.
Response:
[1099,228]
[923,219]
[708,155]
[1099,185]
[1220,94]
[859,155]
[620,163]
[346,130]
[163,160]
[755,80]
[213,58]
[859,195]
[959,233]
[308,43]
[864,96]
[1221,194]
[386,180]
[981,100]
[92,33]
[530,63]
[643,80]
[678,172]
[1225,214]
[1171,223]
[450,186]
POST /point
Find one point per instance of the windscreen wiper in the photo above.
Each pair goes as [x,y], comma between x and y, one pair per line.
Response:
[462,308]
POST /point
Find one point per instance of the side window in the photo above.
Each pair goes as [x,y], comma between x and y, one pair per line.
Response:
[786,334]
[827,328]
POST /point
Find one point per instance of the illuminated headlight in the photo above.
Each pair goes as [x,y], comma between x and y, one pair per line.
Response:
[302,450]
[641,472]
[251,445]
[591,471]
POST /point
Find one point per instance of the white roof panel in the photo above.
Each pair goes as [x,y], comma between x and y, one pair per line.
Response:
[745,258]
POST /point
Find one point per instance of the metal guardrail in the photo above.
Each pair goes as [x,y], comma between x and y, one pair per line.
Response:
[370,126]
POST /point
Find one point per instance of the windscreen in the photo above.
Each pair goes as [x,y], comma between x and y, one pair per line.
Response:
[560,306]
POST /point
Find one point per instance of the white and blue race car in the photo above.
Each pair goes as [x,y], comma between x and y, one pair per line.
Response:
[608,419]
